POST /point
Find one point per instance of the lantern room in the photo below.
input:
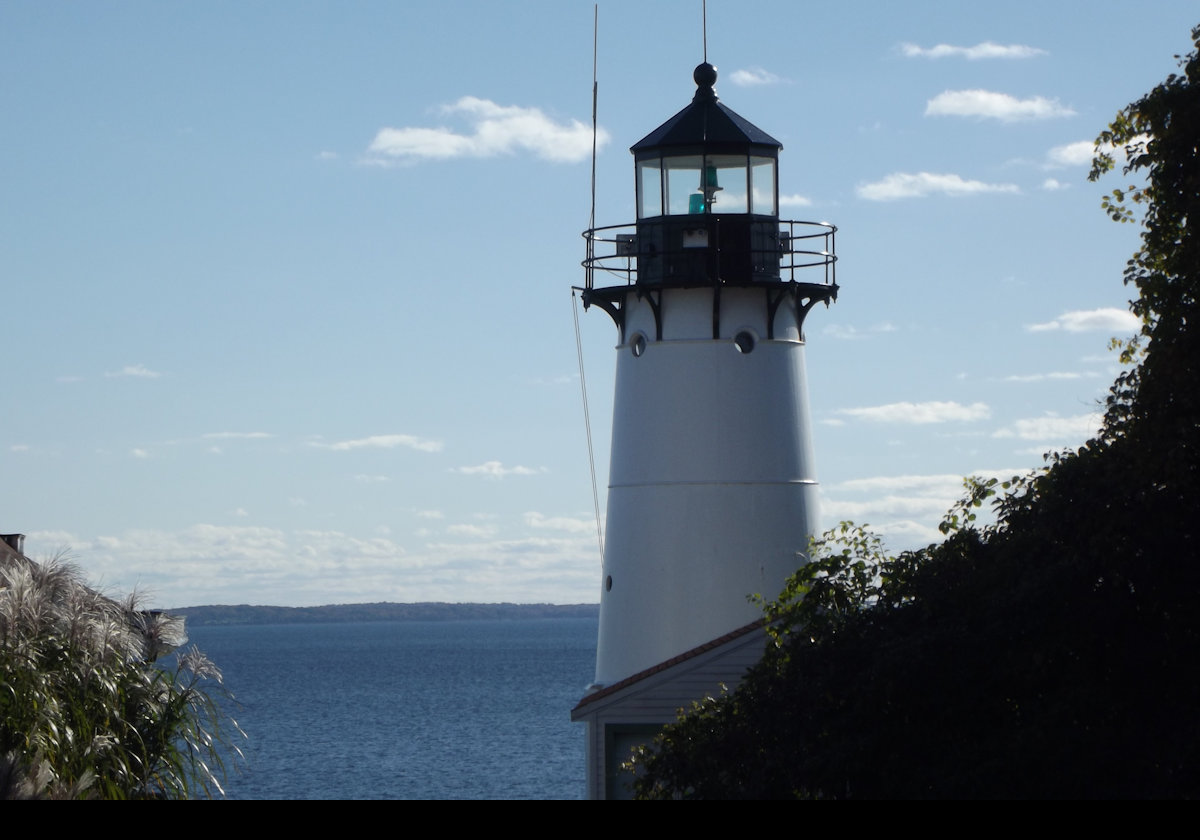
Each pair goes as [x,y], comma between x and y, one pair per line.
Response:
[707,197]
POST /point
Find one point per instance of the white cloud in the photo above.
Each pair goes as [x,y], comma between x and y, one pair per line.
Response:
[991,105]
[572,525]
[468,530]
[794,200]
[383,442]
[904,509]
[980,51]
[753,76]
[918,185]
[1072,154]
[1054,185]
[920,413]
[1042,377]
[327,155]
[1052,429]
[901,484]
[1081,152]
[238,564]
[494,130]
[430,514]
[239,512]
[495,469]
[19,447]
[851,333]
[139,371]
[236,435]
[139,453]
[371,479]
[1109,319]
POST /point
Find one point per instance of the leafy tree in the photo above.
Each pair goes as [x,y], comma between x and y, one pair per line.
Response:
[84,710]
[1050,654]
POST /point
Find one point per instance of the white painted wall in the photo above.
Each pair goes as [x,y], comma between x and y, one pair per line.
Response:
[712,493]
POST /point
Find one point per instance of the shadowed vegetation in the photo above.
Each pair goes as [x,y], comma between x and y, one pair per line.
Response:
[1051,654]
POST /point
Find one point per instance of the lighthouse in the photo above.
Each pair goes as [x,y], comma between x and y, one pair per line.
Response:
[712,492]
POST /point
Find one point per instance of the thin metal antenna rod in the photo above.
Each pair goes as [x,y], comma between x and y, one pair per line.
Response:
[591,245]
[591,249]
[704,14]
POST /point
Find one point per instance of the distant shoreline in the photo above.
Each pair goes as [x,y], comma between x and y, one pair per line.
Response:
[214,614]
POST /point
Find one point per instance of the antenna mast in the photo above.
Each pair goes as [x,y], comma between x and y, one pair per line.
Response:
[591,245]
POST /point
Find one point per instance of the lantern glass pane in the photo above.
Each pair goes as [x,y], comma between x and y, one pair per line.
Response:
[649,186]
[763,191]
[725,177]
[682,180]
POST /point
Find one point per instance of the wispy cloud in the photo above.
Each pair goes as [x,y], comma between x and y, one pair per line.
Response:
[921,184]
[903,484]
[980,51]
[1043,377]
[234,564]
[495,469]
[236,435]
[468,530]
[1053,429]
[752,76]
[905,509]
[794,200]
[492,130]
[382,442]
[1081,152]
[363,478]
[569,524]
[1109,319]
[920,413]
[139,453]
[988,104]
[1072,154]
[139,371]
[1054,185]
[849,332]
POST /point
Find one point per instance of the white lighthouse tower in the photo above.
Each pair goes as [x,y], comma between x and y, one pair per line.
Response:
[712,492]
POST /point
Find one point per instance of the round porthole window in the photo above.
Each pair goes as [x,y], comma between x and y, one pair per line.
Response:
[608,584]
[638,345]
[744,341]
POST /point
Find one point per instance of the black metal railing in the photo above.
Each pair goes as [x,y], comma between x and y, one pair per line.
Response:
[801,245]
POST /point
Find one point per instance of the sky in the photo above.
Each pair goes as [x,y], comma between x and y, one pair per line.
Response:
[287,286]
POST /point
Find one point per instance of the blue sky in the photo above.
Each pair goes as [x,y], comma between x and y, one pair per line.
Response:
[287,308]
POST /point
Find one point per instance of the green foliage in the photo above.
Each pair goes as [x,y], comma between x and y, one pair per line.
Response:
[1050,653]
[84,711]
[1158,136]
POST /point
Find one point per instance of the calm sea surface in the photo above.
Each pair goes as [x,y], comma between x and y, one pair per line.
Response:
[407,710]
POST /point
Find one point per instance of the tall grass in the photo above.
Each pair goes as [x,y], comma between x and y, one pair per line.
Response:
[84,710]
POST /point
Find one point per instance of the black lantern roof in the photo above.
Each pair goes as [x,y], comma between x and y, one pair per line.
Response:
[706,126]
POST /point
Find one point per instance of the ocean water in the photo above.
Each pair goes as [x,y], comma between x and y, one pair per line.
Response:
[407,710]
